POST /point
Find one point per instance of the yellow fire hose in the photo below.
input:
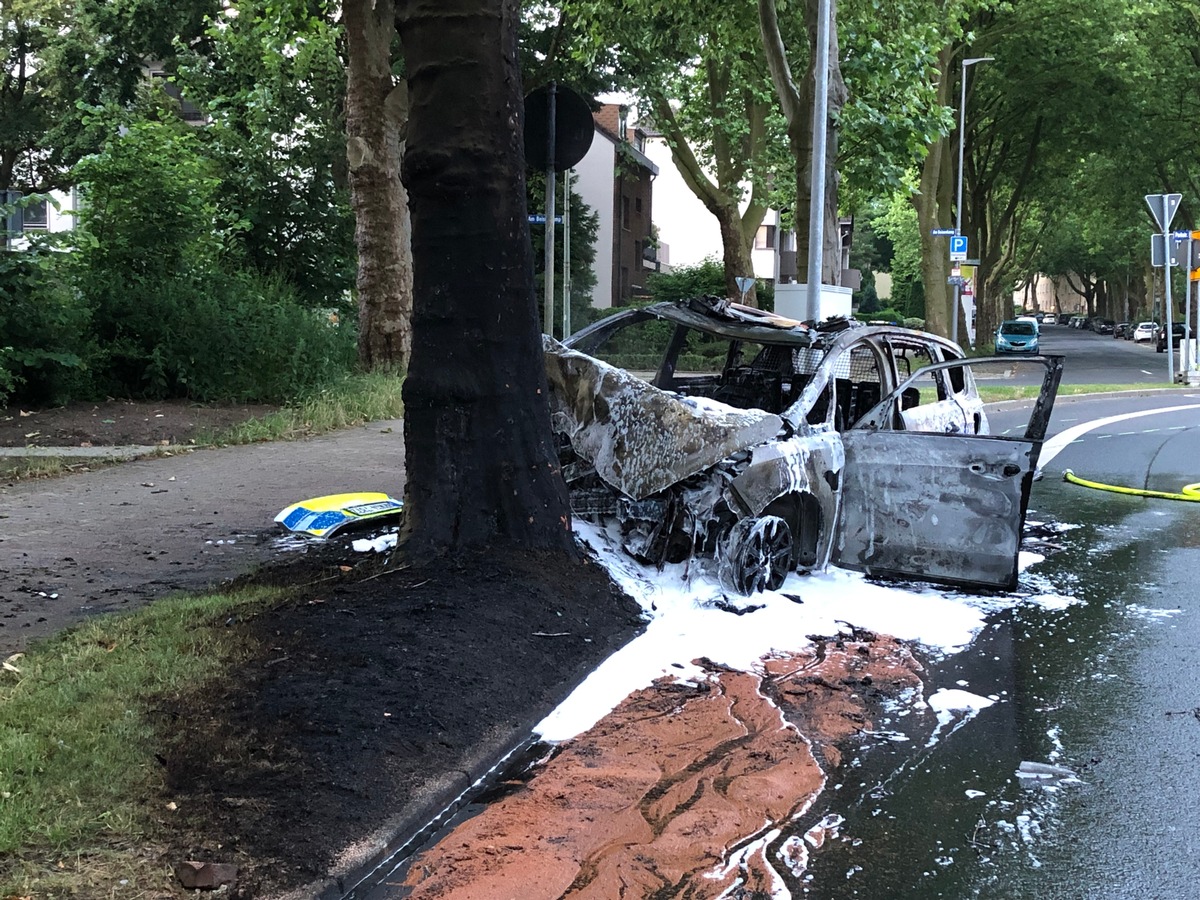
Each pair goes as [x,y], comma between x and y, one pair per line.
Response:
[1188,492]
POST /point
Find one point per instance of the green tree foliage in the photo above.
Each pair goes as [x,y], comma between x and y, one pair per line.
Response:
[168,318]
[705,278]
[897,224]
[44,329]
[700,78]
[63,56]
[271,83]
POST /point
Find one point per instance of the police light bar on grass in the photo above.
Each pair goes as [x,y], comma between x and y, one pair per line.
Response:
[323,516]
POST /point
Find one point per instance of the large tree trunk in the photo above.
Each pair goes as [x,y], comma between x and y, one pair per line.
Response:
[375,112]
[737,253]
[480,455]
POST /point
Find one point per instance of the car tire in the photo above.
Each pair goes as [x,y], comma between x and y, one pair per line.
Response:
[756,555]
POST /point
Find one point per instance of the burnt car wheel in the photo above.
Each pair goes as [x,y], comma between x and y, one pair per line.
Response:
[756,555]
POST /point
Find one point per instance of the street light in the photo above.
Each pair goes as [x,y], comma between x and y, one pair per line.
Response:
[962,118]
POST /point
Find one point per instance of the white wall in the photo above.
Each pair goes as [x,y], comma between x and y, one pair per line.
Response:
[685,224]
[592,178]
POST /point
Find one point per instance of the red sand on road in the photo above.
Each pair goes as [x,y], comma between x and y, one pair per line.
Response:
[674,790]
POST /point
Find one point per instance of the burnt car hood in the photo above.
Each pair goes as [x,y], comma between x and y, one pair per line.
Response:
[639,438]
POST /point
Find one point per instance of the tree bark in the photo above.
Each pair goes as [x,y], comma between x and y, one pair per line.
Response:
[375,114]
[482,465]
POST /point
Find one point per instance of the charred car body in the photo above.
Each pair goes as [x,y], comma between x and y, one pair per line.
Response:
[770,445]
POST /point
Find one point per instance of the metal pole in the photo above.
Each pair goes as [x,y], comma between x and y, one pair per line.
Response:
[548,293]
[566,275]
[816,211]
[1185,358]
[962,122]
[1167,313]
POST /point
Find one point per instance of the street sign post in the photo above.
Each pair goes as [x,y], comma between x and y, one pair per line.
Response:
[1163,208]
[958,248]
[1164,251]
[744,284]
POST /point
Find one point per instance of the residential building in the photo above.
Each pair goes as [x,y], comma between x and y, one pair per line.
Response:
[617,179]
[40,217]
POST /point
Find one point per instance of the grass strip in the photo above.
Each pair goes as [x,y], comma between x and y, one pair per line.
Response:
[997,393]
[352,400]
[77,766]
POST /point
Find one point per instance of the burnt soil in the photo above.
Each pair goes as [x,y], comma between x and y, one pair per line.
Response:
[111,423]
[365,702]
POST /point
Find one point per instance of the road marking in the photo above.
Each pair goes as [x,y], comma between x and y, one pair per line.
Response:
[1056,444]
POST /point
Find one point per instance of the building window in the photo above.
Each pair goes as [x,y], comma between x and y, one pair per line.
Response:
[637,205]
[625,213]
[764,238]
[35,216]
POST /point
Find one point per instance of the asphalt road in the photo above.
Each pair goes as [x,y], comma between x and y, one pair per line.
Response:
[117,537]
[1104,683]
[1102,359]
[1120,690]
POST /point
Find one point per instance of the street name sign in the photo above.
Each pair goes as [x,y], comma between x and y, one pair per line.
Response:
[941,232]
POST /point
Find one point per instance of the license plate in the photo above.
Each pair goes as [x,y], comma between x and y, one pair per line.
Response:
[371,509]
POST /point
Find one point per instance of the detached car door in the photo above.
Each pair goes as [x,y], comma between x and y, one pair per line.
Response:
[934,505]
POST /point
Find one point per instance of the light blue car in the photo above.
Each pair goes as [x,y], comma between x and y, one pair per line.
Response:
[1017,336]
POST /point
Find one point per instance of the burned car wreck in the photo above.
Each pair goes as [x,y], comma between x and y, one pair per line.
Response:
[760,445]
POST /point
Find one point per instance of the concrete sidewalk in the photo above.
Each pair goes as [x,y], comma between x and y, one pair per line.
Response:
[125,451]
[118,537]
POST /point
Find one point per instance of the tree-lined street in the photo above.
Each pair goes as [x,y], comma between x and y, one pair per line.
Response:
[287,202]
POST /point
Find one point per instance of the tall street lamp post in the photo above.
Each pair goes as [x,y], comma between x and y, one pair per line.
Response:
[962,119]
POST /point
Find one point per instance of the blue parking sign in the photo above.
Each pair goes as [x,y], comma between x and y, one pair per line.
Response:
[958,248]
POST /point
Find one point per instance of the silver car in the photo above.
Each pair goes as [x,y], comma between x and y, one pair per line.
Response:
[710,430]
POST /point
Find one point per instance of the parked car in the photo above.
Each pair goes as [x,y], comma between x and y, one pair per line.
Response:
[1179,332]
[1105,326]
[1065,318]
[1017,336]
[1120,328]
[758,445]
[1145,331]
